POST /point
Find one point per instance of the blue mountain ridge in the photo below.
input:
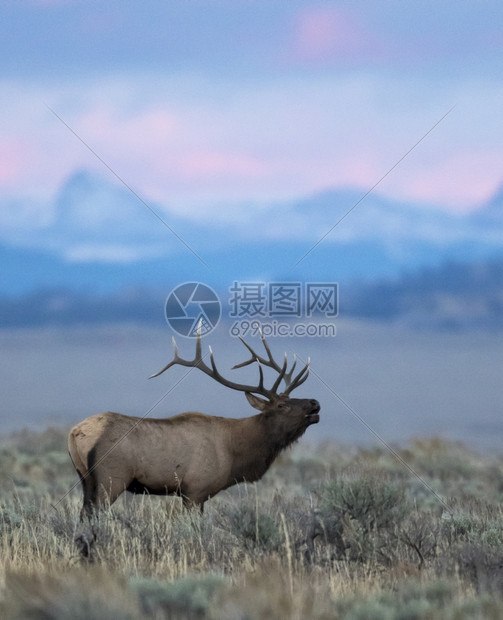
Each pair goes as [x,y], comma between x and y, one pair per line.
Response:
[102,239]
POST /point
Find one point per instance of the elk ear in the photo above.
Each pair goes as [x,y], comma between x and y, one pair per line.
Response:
[255,401]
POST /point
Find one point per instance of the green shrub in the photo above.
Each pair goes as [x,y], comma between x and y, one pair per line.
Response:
[420,533]
[189,597]
[385,546]
[360,516]
[79,595]
[409,600]
[254,528]
[370,501]
[482,565]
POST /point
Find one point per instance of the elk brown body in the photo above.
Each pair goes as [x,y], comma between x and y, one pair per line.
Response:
[191,454]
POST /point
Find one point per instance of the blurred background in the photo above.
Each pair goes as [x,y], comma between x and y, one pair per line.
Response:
[143,145]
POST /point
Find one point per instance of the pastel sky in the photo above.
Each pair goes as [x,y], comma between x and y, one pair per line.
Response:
[197,103]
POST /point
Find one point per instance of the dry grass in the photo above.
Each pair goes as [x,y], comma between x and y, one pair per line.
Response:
[385,547]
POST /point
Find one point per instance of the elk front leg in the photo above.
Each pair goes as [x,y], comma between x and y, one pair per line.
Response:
[190,503]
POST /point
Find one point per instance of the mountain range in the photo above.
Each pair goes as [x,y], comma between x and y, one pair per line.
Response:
[98,239]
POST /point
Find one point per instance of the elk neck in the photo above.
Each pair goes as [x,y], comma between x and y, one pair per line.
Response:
[256,442]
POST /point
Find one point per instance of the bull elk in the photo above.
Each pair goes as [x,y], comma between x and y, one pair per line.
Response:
[192,455]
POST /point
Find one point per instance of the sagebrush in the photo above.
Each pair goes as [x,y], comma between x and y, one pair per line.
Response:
[329,532]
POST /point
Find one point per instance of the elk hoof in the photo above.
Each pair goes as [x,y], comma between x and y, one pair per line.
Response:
[85,544]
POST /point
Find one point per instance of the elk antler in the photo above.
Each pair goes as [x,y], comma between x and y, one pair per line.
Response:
[198,362]
[290,383]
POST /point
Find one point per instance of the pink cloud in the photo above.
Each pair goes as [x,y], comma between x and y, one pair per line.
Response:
[152,127]
[268,146]
[12,156]
[167,152]
[160,152]
[459,181]
[218,165]
[325,33]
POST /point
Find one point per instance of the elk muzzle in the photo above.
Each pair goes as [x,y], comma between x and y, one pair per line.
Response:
[313,416]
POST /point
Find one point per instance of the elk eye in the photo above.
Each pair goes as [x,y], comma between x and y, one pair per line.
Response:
[281,405]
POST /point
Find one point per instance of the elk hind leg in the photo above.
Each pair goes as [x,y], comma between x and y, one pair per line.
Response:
[190,503]
[98,493]
[89,488]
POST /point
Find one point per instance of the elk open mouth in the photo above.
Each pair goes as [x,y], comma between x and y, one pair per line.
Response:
[313,417]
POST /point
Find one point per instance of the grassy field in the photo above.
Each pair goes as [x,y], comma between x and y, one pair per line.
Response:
[387,545]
